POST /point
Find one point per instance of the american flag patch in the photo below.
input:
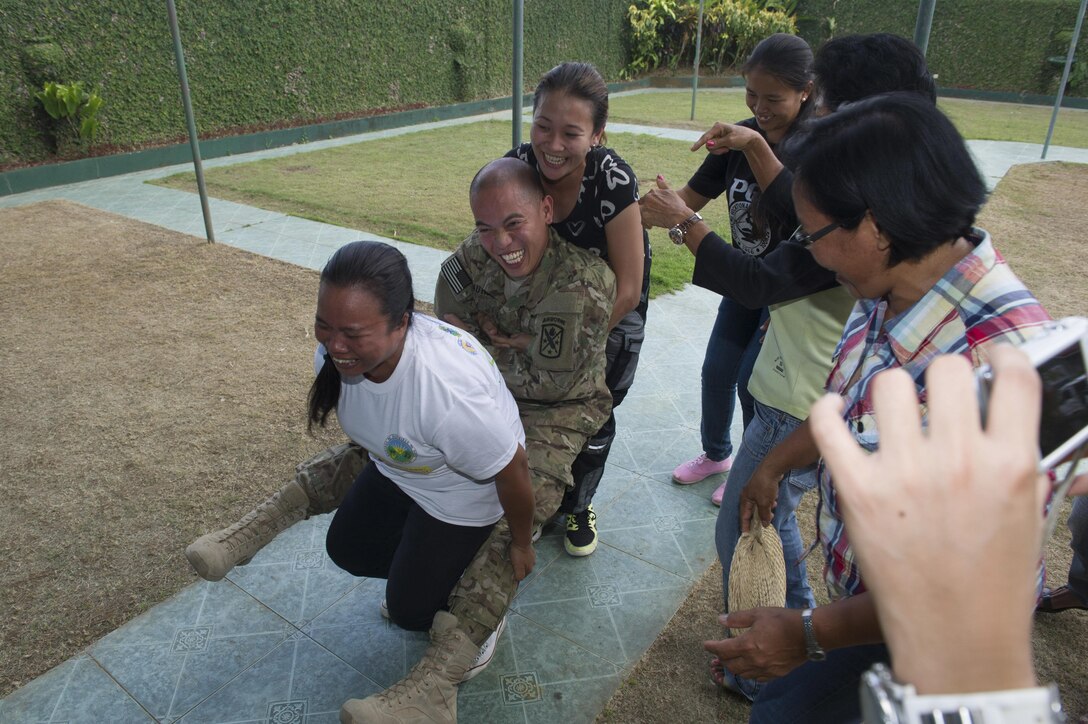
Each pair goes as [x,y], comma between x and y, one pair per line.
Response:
[455,274]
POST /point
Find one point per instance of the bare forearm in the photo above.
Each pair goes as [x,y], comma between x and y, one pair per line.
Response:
[626,300]
[847,622]
[798,450]
[515,491]
[764,164]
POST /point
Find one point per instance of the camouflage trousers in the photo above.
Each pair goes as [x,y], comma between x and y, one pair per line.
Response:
[480,599]
[327,477]
[483,594]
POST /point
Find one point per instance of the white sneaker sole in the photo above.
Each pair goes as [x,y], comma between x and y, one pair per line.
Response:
[487,652]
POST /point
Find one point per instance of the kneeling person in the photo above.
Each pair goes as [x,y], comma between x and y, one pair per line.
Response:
[541,306]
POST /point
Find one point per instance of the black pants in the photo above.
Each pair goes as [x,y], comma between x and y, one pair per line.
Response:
[380,532]
[621,353]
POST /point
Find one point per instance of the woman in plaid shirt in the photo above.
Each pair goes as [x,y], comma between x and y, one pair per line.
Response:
[887,196]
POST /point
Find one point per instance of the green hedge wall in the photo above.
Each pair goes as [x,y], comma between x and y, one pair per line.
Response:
[279,61]
[995,45]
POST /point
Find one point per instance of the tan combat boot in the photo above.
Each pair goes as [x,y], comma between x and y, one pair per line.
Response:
[319,486]
[214,554]
[429,692]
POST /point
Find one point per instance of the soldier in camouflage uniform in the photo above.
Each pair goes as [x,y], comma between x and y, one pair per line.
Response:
[541,305]
[558,379]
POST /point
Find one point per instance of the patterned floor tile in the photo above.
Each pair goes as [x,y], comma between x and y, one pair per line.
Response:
[299,681]
[670,529]
[614,483]
[76,691]
[181,651]
[610,603]
[655,451]
[298,588]
[538,675]
[644,412]
[354,630]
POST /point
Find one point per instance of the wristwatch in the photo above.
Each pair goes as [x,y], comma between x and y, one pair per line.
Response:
[884,701]
[680,231]
[815,653]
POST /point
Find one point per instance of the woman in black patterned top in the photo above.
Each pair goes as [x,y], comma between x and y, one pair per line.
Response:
[595,194]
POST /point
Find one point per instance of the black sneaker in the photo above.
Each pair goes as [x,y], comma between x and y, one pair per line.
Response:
[581,532]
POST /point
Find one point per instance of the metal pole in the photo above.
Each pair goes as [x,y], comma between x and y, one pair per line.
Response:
[698,50]
[1065,76]
[189,120]
[519,83]
[923,24]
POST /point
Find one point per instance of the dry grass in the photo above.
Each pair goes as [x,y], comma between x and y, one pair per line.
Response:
[151,387]
[367,186]
[1037,217]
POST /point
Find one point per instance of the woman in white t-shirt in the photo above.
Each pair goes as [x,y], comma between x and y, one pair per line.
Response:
[446,445]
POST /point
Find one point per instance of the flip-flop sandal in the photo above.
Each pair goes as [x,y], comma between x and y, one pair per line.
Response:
[1059,599]
[725,680]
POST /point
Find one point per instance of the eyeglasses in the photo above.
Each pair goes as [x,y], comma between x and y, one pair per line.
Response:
[806,240]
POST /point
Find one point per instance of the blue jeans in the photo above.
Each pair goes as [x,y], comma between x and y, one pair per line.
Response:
[817,692]
[731,353]
[767,428]
[1078,526]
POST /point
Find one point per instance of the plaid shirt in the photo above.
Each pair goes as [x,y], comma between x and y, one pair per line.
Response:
[978,303]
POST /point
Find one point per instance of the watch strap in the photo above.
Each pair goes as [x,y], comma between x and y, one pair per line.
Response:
[678,232]
[812,646]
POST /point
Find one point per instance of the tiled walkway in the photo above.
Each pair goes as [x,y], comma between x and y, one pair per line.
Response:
[289,637]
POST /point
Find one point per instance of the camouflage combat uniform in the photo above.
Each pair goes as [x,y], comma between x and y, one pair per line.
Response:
[559,383]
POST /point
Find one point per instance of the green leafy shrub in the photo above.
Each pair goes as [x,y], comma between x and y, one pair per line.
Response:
[662,32]
[647,28]
[990,45]
[69,104]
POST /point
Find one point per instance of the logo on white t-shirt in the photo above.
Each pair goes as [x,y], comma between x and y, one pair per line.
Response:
[399,450]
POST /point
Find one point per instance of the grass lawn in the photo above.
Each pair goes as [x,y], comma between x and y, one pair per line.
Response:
[981,120]
[415,187]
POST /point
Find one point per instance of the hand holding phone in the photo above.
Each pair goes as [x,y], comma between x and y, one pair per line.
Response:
[1060,356]
[946,519]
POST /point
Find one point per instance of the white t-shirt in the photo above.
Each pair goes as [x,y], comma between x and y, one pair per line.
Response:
[441,427]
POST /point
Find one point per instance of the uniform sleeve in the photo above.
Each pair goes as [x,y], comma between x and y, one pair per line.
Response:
[453,292]
[788,272]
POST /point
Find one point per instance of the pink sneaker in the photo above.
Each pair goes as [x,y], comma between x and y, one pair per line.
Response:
[700,468]
[717,495]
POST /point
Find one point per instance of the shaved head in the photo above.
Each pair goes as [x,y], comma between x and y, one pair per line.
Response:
[505,172]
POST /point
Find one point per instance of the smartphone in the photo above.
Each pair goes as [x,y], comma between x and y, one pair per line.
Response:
[1060,355]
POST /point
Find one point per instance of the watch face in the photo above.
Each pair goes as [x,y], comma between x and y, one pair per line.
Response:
[676,235]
